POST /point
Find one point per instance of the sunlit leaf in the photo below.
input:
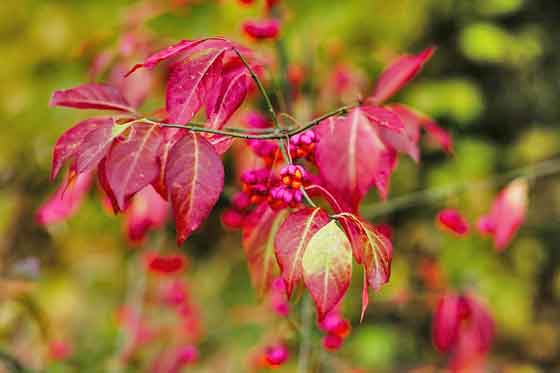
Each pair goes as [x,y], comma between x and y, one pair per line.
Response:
[327,267]
[292,239]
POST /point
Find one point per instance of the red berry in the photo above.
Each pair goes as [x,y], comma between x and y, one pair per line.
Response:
[332,342]
[276,355]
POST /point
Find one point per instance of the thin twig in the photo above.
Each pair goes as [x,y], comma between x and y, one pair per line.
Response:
[276,134]
[261,88]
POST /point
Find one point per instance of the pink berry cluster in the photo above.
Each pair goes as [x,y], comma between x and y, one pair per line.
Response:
[263,186]
[302,145]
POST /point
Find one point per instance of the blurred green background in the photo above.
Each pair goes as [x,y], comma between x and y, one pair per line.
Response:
[494,83]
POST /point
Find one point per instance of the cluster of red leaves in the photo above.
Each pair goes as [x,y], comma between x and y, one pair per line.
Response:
[464,329]
[351,153]
[502,222]
[166,294]
[182,166]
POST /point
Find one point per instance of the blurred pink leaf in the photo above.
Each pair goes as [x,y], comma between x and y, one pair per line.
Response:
[259,232]
[65,201]
[399,73]
[507,214]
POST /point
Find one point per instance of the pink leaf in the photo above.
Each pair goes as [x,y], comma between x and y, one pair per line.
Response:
[171,136]
[365,297]
[91,96]
[227,99]
[439,135]
[398,74]
[452,220]
[265,29]
[220,143]
[194,177]
[189,84]
[392,131]
[135,89]
[182,49]
[65,201]
[292,239]
[258,243]
[106,188]
[327,267]
[69,142]
[132,163]
[353,158]
[507,214]
[95,146]
[372,249]
[146,211]
[464,328]
[413,120]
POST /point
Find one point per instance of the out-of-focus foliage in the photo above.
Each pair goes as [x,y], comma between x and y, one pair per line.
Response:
[493,83]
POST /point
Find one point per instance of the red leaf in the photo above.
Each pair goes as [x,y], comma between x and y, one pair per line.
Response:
[91,96]
[452,220]
[65,201]
[220,143]
[226,100]
[132,163]
[507,214]
[327,267]
[69,142]
[96,145]
[104,184]
[439,135]
[372,249]
[392,131]
[398,74]
[189,84]
[463,327]
[258,243]
[182,49]
[164,264]
[414,119]
[352,158]
[194,177]
[291,241]
[146,211]
[266,29]
[365,297]
[171,136]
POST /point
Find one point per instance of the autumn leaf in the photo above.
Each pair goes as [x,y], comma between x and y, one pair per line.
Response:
[352,158]
[327,267]
[189,84]
[132,163]
[292,239]
[258,243]
[194,178]
[68,144]
[398,74]
[92,96]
